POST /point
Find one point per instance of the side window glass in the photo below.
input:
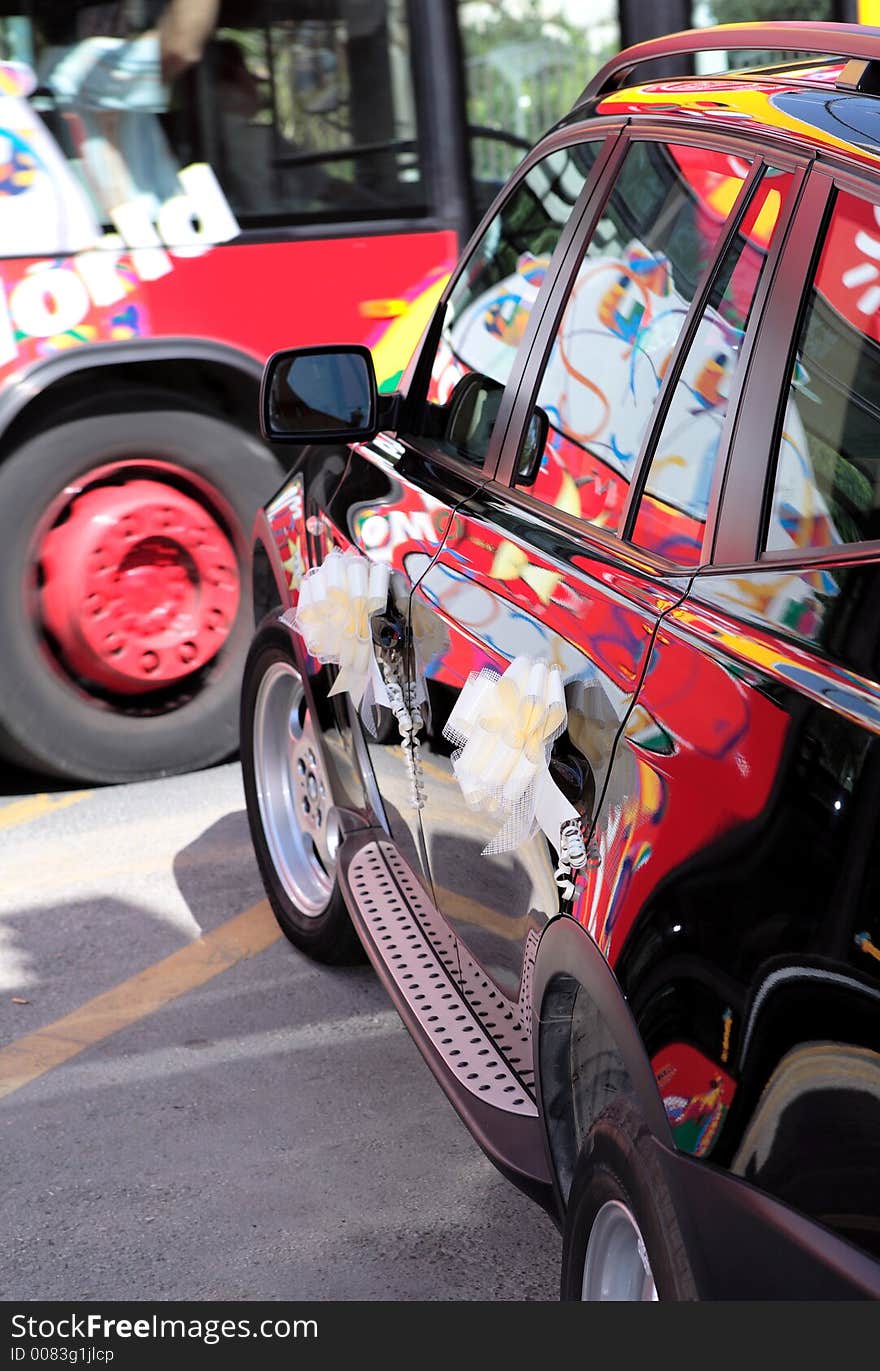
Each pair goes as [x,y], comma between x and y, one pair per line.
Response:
[673,508]
[659,228]
[489,307]
[826,484]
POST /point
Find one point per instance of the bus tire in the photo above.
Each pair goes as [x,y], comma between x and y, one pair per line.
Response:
[60,710]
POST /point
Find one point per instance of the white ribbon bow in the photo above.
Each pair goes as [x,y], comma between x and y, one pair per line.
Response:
[336,601]
[503,727]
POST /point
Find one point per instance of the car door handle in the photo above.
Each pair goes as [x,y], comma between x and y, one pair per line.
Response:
[388,629]
[574,776]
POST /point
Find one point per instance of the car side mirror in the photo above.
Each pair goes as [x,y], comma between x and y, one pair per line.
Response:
[532,451]
[319,395]
[471,413]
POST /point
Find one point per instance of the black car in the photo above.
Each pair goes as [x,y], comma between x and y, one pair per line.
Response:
[564,699]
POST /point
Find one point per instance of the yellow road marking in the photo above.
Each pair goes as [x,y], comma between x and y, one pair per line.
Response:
[36,1053]
[35,806]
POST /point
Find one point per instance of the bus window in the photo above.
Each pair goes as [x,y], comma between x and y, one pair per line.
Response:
[297,111]
[314,112]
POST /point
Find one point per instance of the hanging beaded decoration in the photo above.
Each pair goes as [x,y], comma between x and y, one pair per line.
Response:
[405,706]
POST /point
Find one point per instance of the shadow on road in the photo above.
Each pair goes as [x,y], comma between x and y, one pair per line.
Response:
[217,873]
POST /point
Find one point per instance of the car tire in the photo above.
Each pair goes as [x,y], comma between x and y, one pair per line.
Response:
[54,720]
[277,733]
[620,1216]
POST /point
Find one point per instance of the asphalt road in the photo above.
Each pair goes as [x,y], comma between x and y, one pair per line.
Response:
[236,1123]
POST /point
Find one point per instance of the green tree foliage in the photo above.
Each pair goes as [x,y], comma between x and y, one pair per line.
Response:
[743,11]
[526,62]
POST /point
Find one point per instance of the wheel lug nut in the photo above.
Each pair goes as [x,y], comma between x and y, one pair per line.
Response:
[301,767]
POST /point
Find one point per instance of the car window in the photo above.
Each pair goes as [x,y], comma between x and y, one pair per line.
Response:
[657,233]
[826,482]
[489,306]
[672,512]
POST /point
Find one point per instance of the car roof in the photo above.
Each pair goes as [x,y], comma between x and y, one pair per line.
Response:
[825,102]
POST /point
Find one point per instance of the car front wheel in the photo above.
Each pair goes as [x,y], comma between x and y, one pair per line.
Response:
[288,802]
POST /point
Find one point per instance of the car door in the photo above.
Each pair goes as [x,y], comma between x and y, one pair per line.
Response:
[551,572]
[748,944]
[396,499]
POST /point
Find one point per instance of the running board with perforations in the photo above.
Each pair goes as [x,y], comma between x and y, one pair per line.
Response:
[415,954]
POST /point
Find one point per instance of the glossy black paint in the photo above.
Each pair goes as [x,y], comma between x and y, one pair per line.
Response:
[754,946]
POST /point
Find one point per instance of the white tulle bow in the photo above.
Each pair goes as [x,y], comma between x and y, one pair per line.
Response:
[503,727]
[336,602]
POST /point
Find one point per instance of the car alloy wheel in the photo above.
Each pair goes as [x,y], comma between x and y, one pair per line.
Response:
[292,789]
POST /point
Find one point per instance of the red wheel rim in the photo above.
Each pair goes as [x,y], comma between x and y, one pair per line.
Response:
[140,582]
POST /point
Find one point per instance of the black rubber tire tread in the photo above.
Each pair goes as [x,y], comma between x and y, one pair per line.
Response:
[618,1161]
[46,722]
[329,937]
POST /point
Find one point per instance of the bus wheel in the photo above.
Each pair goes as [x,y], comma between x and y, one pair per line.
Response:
[125,605]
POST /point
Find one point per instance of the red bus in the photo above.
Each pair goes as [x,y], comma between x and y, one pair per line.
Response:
[186,186]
